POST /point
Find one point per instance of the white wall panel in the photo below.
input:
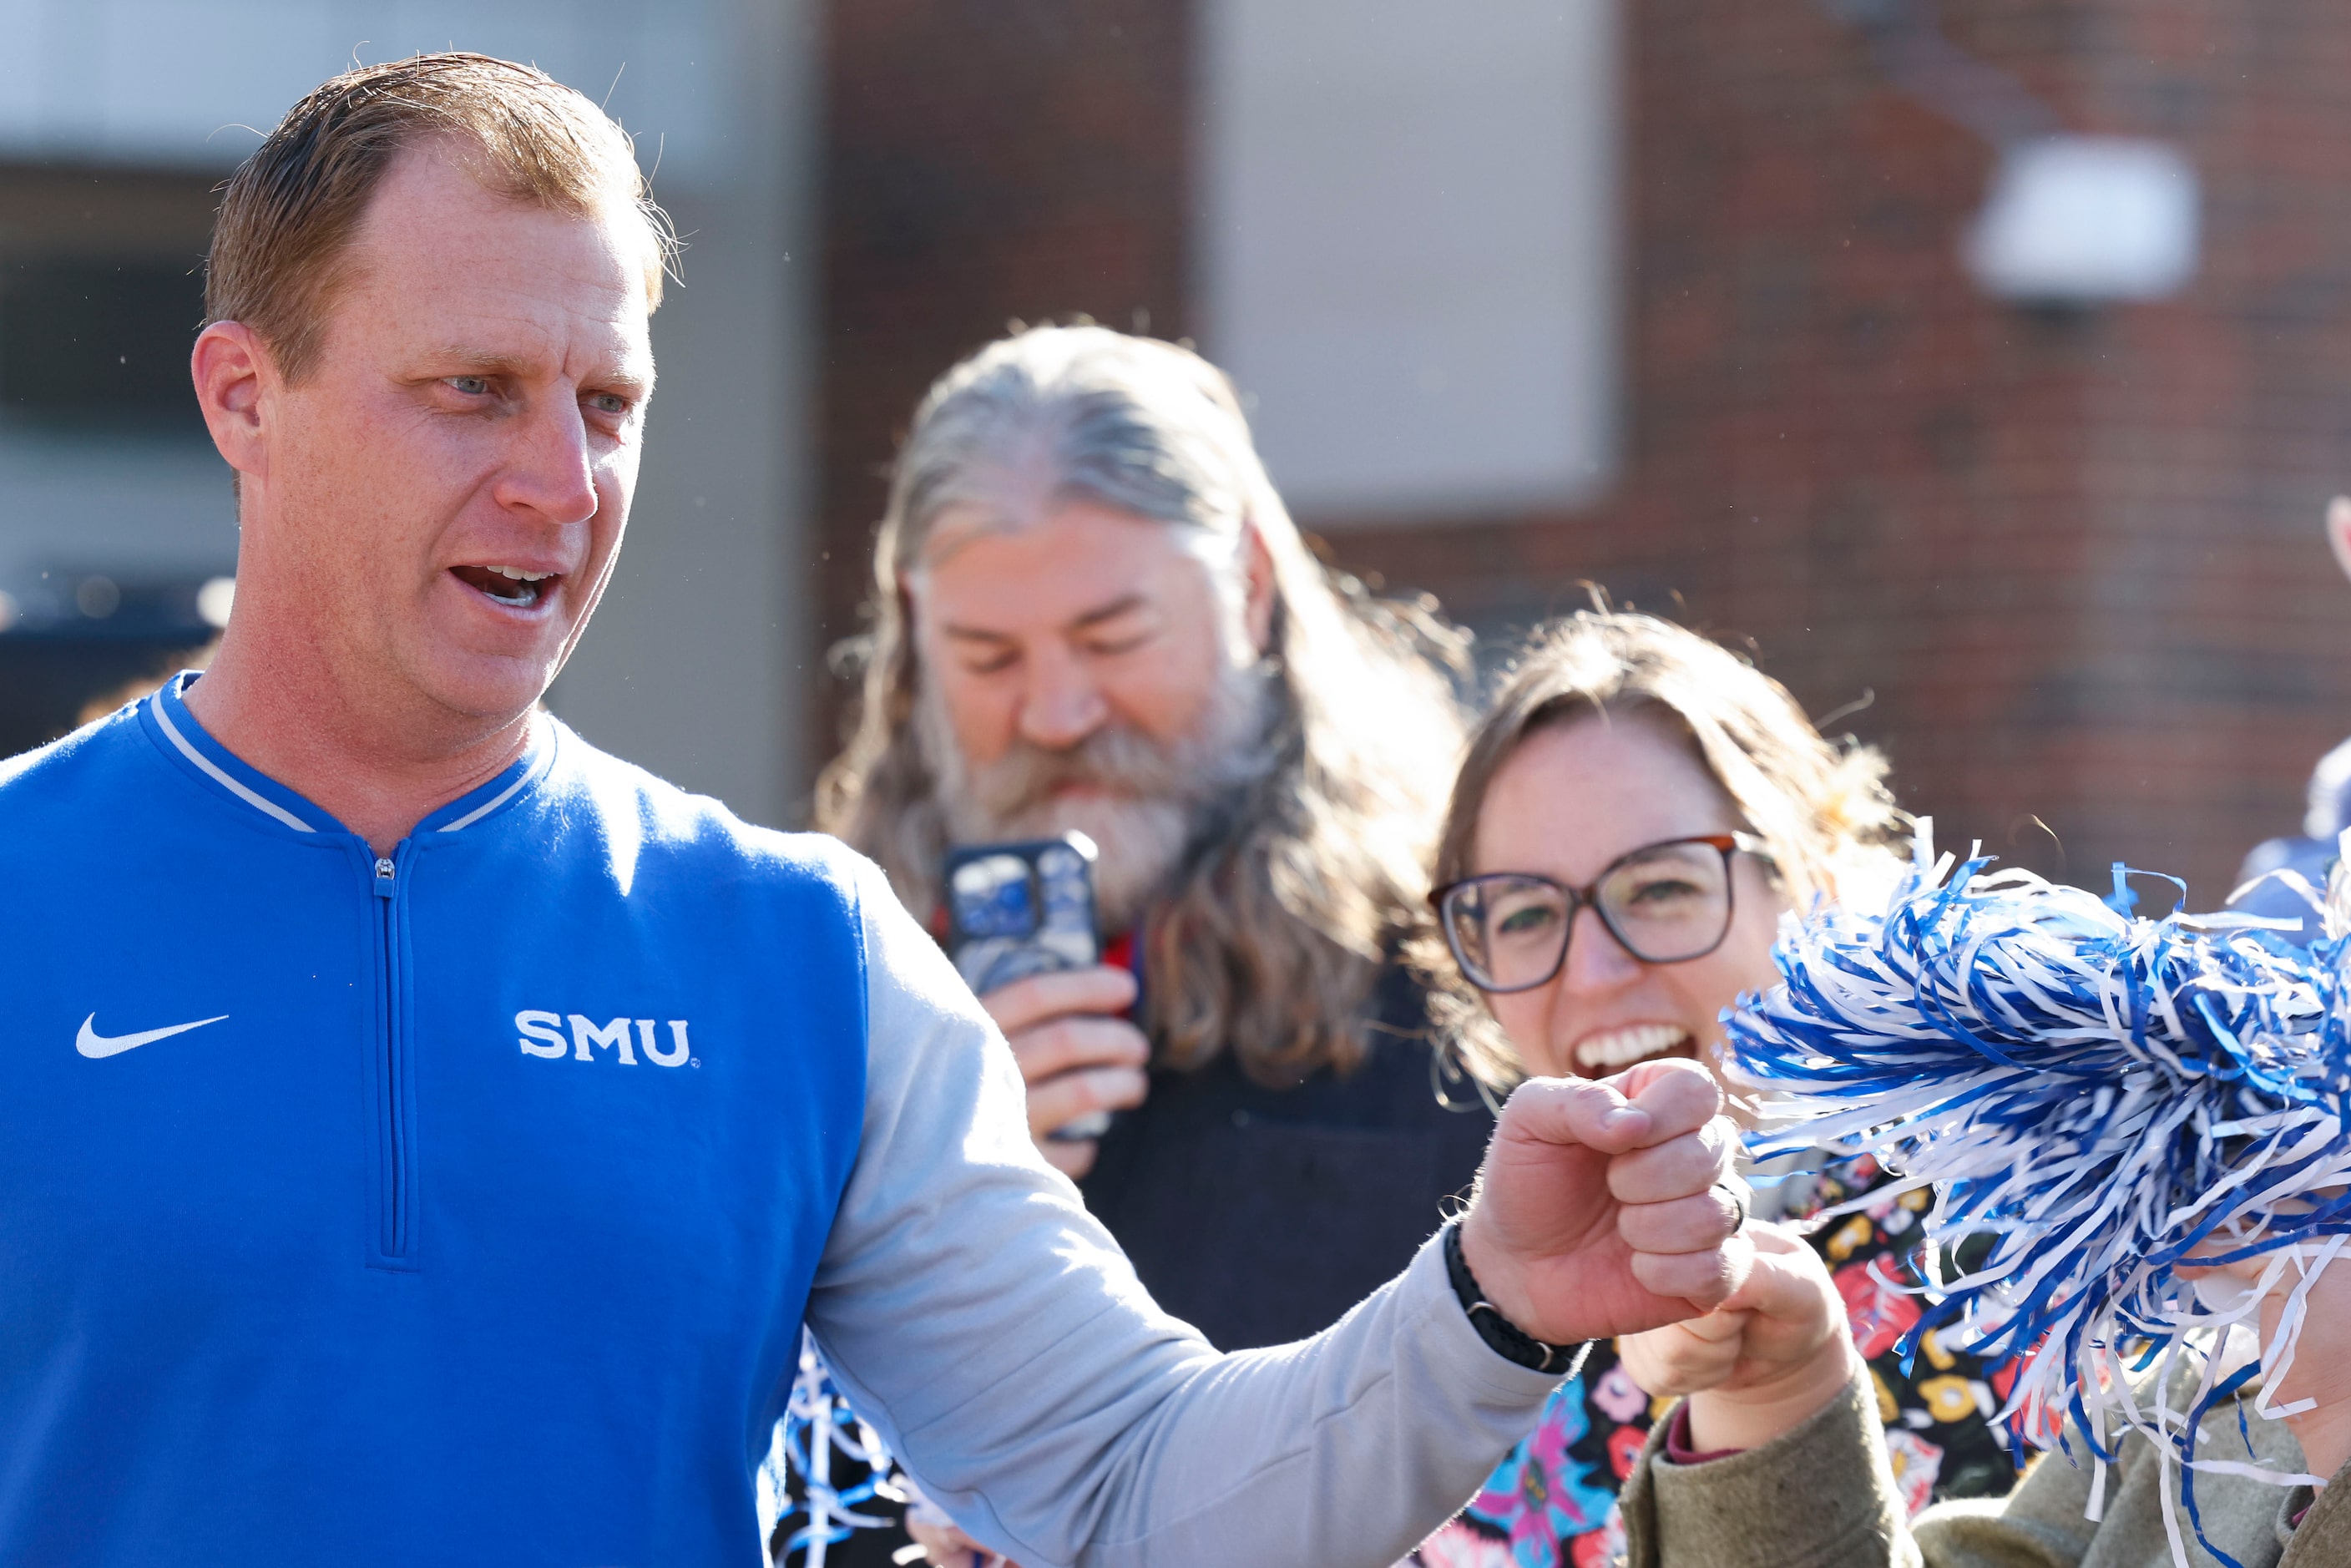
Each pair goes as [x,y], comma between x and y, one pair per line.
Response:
[167,82]
[1408,247]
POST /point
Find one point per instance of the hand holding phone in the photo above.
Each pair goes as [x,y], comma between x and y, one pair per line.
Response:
[1021,928]
[1081,1060]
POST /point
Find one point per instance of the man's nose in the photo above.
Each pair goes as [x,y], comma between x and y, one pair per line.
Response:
[549,470]
[1061,705]
[1596,961]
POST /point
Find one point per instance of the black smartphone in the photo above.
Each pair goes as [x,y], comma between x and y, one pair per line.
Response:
[1020,909]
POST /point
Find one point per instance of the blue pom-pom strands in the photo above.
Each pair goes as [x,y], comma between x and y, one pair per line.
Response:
[819,1427]
[2094,1097]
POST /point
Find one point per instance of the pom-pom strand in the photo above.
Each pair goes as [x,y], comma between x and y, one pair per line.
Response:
[2095,1099]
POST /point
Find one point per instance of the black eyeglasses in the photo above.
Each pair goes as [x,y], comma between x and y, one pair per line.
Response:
[1664,903]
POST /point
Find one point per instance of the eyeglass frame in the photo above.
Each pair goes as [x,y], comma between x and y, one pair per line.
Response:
[1582,898]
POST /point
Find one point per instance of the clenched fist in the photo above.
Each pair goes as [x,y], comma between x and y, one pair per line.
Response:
[1607,1208]
[1774,1352]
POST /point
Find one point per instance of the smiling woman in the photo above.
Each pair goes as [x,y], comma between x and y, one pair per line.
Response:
[1633,815]
[1666,769]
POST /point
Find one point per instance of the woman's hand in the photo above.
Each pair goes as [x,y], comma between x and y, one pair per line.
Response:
[943,1545]
[1077,1054]
[946,1547]
[1774,1353]
[2321,1370]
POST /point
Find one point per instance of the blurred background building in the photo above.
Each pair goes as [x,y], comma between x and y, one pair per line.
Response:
[1983,364]
[1710,302]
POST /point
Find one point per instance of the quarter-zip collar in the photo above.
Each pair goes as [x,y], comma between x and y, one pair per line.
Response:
[393,1223]
[274,807]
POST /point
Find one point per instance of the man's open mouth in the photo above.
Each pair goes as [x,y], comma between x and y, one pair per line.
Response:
[509,585]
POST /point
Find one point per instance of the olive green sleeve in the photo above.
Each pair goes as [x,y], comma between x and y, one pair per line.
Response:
[1823,1494]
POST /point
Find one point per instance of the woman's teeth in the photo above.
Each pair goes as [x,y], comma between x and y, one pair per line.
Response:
[1617,1048]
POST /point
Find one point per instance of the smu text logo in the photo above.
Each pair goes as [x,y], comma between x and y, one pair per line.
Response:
[543,1035]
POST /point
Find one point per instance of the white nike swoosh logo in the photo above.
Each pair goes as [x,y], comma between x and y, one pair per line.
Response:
[94,1045]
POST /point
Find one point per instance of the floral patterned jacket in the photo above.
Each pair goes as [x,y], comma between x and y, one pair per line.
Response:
[1552,1503]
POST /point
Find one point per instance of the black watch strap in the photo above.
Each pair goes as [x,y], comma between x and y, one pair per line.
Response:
[1501,1334]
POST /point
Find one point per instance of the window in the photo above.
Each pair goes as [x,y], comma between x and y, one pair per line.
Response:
[1408,248]
[98,344]
[101,290]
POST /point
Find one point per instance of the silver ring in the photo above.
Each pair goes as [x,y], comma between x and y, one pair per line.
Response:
[1736,1192]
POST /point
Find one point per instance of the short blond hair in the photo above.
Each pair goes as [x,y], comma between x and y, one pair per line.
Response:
[287,217]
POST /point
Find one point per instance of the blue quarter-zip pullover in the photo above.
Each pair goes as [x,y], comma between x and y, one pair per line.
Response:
[459,1202]
[464,1205]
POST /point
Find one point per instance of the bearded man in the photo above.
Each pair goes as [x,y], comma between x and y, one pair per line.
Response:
[1093,613]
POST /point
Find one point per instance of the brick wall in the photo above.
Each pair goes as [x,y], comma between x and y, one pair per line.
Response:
[988,161]
[2075,557]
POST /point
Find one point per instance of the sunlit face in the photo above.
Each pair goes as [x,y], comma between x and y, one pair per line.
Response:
[1568,804]
[441,500]
[1049,632]
[1088,674]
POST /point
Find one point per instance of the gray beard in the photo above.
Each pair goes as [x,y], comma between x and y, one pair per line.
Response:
[1145,801]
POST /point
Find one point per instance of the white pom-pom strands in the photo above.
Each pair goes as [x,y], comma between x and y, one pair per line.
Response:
[2095,1099]
[818,1427]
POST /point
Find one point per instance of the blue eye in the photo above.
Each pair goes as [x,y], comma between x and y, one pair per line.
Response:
[472,386]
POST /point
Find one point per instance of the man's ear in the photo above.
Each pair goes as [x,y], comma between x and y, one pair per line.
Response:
[1256,608]
[232,369]
[2338,531]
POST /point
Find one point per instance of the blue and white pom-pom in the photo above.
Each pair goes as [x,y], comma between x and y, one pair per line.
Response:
[796,1483]
[2091,1097]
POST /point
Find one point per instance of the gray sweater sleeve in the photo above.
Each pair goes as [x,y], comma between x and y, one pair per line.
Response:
[992,1330]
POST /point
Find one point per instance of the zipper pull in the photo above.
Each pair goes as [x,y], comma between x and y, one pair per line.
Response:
[385,873]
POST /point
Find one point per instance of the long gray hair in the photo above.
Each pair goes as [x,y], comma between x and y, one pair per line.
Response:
[1303,880]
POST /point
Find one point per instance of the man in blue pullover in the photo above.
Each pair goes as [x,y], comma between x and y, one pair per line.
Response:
[422,1137]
